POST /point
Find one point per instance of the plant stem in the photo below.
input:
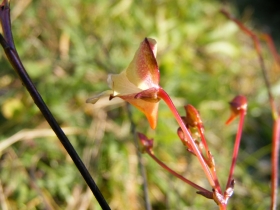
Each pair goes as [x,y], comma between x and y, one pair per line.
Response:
[176,174]
[223,206]
[162,94]
[274,161]
[140,161]
[16,63]
[271,47]
[212,168]
[236,146]
[203,140]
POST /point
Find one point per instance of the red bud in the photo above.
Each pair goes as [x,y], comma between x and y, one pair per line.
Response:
[146,143]
[193,117]
[238,104]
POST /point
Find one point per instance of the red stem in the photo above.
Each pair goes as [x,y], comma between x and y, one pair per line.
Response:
[236,146]
[213,170]
[223,206]
[162,94]
[274,160]
[203,140]
[176,174]
[275,114]
[271,47]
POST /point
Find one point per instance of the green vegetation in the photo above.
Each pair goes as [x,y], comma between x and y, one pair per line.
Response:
[68,47]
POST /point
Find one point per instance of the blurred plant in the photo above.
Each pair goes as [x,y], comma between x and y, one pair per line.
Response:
[138,85]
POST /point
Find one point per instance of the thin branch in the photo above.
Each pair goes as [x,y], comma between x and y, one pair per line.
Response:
[275,165]
[11,53]
[140,160]
[201,189]
[271,47]
[36,133]
[209,158]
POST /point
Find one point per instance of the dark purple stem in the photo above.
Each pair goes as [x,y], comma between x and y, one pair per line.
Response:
[12,55]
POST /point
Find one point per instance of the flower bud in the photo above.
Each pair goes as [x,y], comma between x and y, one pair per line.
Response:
[193,117]
[238,104]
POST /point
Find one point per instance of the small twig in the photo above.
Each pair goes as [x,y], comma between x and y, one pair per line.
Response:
[201,189]
[275,165]
[276,134]
[209,159]
[271,47]
[140,160]
[36,133]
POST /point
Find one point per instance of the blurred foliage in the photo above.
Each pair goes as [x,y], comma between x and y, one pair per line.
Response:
[263,13]
[69,47]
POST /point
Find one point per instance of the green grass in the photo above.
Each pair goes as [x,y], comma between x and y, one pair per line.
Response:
[68,47]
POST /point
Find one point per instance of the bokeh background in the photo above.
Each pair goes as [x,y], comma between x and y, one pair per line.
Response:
[69,46]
